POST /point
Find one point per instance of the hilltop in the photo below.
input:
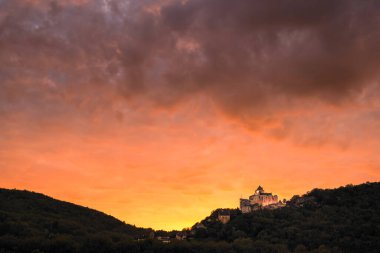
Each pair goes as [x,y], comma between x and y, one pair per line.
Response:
[345,219]
[30,220]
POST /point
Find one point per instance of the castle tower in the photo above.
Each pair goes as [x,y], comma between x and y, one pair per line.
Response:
[259,190]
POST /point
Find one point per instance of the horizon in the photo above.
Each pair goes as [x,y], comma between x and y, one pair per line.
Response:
[157,112]
[179,229]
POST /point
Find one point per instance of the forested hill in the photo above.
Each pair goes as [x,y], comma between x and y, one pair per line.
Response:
[346,219]
[29,219]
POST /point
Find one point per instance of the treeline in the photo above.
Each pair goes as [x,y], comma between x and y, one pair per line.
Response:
[105,244]
[341,220]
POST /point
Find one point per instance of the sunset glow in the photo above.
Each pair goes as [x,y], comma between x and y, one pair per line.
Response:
[158,112]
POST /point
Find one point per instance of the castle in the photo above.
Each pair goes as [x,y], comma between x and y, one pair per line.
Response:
[259,199]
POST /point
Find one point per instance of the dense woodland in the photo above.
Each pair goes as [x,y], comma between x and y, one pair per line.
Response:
[346,219]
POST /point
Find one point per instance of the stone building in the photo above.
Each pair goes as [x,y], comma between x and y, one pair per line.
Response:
[224,216]
[258,200]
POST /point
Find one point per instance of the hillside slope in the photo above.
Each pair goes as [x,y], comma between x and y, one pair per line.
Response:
[28,218]
[346,219]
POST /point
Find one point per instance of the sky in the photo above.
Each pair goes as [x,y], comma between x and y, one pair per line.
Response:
[158,112]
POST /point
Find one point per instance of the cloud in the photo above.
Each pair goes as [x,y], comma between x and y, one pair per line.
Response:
[255,60]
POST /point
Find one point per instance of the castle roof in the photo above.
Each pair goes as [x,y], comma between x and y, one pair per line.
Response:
[259,188]
[261,194]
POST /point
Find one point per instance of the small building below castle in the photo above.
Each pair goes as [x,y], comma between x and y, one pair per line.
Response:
[224,216]
[260,199]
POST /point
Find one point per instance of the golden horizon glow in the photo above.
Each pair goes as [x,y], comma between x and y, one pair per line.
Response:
[170,176]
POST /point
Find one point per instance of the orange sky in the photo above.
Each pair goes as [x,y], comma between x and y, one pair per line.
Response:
[159,122]
[172,172]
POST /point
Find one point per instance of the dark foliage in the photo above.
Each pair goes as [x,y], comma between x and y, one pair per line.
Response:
[346,219]
[32,221]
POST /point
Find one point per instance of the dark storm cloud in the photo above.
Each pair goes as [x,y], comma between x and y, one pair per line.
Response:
[250,57]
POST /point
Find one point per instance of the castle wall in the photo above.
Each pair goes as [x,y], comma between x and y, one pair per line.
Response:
[263,200]
[245,209]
